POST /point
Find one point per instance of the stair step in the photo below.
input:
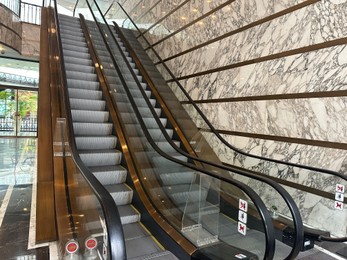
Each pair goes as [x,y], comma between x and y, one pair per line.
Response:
[81,75]
[175,178]
[100,157]
[89,116]
[109,174]
[134,130]
[120,193]
[86,104]
[84,93]
[134,230]
[74,60]
[96,142]
[183,193]
[138,248]
[79,68]
[79,55]
[139,101]
[128,214]
[163,255]
[92,128]
[82,84]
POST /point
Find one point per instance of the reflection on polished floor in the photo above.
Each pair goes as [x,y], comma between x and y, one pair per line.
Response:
[17,187]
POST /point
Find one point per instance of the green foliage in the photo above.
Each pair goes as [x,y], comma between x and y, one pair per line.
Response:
[27,103]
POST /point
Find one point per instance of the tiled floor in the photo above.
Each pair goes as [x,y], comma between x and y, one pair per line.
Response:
[18,207]
[17,183]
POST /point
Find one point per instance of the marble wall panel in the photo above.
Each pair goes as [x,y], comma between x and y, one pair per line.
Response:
[309,204]
[10,29]
[294,30]
[321,119]
[31,40]
[314,119]
[316,71]
[320,157]
[224,20]
[184,15]
[158,11]
[116,12]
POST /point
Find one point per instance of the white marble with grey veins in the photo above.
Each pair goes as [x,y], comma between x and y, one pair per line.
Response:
[294,30]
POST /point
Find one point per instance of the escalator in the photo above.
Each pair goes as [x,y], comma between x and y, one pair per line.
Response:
[179,187]
[91,125]
[95,142]
[283,252]
[324,190]
[200,204]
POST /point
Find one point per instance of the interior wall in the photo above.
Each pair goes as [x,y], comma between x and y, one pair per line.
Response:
[31,40]
[10,29]
[271,76]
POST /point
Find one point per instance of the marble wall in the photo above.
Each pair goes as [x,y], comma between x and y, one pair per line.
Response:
[10,29]
[31,40]
[282,66]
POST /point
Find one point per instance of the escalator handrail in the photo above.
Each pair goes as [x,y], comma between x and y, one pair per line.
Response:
[115,238]
[214,131]
[295,212]
[74,9]
[260,206]
[109,8]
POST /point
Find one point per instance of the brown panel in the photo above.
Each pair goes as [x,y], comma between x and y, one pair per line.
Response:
[45,212]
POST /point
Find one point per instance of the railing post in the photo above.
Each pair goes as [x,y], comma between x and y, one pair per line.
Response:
[20,8]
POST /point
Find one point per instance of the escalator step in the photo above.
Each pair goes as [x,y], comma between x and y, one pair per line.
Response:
[84,93]
[89,116]
[139,248]
[128,214]
[82,84]
[100,157]
[92,128]
[83,104]
[81,75]
[79,68]
[109,174]
[74,60]
[121,193]
[96,142]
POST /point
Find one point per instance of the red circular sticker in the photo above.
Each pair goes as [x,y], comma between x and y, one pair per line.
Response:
[71,247]
[91,243]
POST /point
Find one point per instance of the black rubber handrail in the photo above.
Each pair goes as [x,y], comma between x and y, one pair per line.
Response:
[330,172]
[260,206]
[74,9]
[109,8]
[115,241]
[325,171]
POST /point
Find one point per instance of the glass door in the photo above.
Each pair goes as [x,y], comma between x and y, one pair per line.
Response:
[18,112]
